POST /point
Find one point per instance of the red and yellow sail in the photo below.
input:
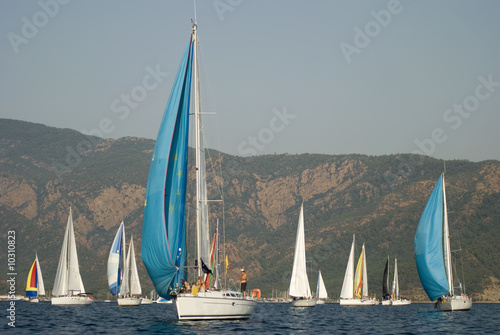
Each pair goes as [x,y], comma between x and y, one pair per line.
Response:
[32,282]
[358,277]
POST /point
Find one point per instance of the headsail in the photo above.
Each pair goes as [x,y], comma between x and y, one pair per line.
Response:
[163,247]
[321,292]
[429,245]
[114,263]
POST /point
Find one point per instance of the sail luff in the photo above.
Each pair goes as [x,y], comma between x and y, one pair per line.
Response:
[446,241]
[396,279]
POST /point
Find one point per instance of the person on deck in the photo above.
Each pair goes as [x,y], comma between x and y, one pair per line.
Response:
[243,282]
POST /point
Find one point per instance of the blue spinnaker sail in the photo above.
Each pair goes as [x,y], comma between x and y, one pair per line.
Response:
[429,245]
[114,262]
[163,248]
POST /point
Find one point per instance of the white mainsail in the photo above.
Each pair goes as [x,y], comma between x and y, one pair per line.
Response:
[365,273]
[299,283]
[321,292]
[348,285]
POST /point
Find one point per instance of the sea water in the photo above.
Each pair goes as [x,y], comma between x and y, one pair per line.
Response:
[269,318]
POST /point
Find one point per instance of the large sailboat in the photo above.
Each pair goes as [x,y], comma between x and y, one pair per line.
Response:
[433,254]
[321,293]
[355,287]
[395,298]
[68,285]
[299,289]
[163,247]
[34,285]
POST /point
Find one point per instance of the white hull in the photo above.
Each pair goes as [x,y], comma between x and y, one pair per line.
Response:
[214,305]
[73,300]
[455,303]
[320,302]
[146,301]
[386,302]
[304,303]
[35,300]
[129,301]
[358,302]
[401,302]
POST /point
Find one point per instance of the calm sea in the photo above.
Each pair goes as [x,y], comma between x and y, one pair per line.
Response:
[269,318]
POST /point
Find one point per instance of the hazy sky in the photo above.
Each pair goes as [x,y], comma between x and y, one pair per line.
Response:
[333,77]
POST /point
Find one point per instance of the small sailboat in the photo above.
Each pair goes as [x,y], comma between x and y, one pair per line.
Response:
[386,295]
[123,278]
[130,289]
[299,289]
[321,293]
[164,230]
[355,287]
[396,299]
[34,285]
[68,285]
[433,254]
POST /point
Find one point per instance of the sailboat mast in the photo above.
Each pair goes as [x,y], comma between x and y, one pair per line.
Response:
[446,242]
[197,146]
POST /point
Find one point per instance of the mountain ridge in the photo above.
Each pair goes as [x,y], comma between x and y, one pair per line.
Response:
[379,198]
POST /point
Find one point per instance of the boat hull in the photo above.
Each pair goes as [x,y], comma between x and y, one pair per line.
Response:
[357,302]
[386,302]
[214,305]
[304,303]
[72,300]
[146,301]
[320,302]
[129,301]
[455,303]
[401,302]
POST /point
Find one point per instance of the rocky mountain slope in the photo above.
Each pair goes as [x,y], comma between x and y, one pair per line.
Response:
[46,170]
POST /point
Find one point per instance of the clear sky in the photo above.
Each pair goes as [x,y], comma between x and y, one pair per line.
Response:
[332,77]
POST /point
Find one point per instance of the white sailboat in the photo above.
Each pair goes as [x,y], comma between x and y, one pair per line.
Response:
[130,289]
[433,254]
[68,285]
[299,289]
[34,284]
[164,227]
[321,293]
[355,287]
[396,299]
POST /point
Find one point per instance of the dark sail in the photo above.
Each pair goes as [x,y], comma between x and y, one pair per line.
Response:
[385,283]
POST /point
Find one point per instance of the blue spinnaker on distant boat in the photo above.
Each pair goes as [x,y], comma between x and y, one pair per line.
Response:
[429,246]
[163,248]
[114,262]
